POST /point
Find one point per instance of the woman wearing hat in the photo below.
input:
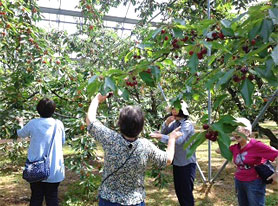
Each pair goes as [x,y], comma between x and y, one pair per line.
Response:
[247,153]
[184,169]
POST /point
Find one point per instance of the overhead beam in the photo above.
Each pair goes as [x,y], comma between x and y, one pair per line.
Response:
[80,14]
[70,22]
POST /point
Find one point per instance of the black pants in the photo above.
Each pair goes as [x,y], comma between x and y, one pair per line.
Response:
[184,183]
[44,189]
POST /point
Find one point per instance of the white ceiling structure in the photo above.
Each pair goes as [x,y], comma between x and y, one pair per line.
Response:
[64,15]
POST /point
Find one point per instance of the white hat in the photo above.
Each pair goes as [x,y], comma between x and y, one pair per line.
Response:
[246,122]
[184,107]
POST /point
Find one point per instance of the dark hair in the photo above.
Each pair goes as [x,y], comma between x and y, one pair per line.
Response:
[182,115]
[46,107]
[131,121]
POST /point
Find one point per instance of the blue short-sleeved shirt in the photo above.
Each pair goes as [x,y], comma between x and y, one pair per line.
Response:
[40,131]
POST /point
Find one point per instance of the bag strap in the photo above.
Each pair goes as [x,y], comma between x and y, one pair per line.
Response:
[118,167]
[53,135]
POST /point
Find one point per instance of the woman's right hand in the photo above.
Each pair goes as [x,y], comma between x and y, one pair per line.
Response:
[176,133]
[169,120]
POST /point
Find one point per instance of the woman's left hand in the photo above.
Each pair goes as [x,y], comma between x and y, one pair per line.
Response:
[156,135]
[101,98]
[274,176]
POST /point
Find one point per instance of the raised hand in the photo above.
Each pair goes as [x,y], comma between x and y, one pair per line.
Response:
[176,133]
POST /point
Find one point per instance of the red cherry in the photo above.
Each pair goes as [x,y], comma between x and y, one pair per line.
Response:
[221,35]
[253,42]
[236,78]
[110,94]
[200,55]
[149,71]
[215,35]
[163,31]
[251,77]
[244,70]
[205,126]
[191,53]
[134,78]
[176,56]
[185,39]
[91,27]
[166,38]
[204,51]
[208,135]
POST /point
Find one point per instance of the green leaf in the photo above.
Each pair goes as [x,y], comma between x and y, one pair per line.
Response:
[227,32]
[226,77]
[194,146]
[169,62]
[93,86]
[274,55]
[155,72]
[273,14]
[180,21]
[147,78]
[194,137]
[109,84]
[127,57]
[145,45]
[193,63]
[223,142]
[268,75]
[266,29]
[246,91]
[156,32]
[92,79]
[178,33]
[212,79]
[254,32]
[123,93]
[226,23]
[219,101]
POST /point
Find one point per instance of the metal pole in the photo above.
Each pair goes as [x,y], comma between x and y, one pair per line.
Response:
[253,126]
[201,172]
[162,92]
[264,108]
[209,111]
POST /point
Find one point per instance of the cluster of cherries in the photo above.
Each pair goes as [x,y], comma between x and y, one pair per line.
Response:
[210,135]
[244,71]
[131,83]
[216,35]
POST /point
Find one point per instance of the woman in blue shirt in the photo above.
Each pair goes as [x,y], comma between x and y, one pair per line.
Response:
[40,130]
[184,169]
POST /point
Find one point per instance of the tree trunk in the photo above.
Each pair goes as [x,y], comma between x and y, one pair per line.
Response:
[267,132]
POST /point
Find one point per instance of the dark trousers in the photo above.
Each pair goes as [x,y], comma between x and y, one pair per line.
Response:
[44,189]
[184,183]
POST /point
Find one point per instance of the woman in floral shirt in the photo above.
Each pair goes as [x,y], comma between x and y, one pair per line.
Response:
[126,156]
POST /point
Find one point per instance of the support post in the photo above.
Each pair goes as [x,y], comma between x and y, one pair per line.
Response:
[209,111]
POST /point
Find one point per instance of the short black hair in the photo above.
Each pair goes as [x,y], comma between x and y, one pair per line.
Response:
[131,121]
[46,107]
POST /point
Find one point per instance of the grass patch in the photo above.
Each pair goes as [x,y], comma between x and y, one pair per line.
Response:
[14,191]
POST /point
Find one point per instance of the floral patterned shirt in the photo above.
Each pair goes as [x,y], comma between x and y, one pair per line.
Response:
[126,186]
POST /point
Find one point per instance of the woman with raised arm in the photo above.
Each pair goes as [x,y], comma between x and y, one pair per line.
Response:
[126,155]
